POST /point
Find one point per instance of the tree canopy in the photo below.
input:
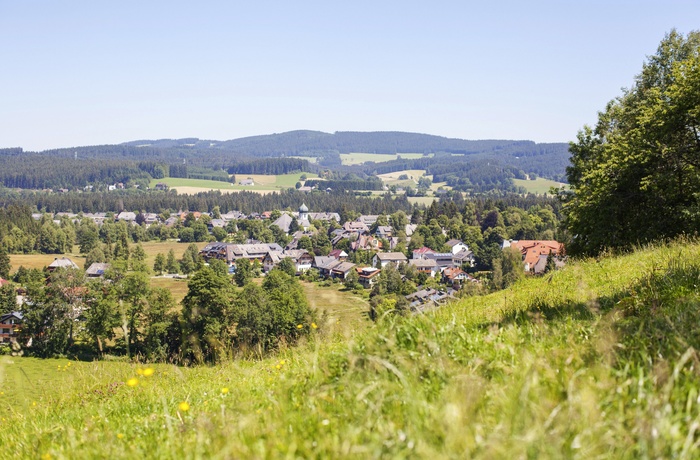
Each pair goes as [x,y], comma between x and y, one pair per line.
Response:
[634,176]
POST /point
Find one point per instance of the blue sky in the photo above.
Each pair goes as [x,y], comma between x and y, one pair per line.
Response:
[86,72]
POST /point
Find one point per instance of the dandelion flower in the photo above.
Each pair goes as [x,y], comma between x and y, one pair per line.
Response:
[224,391]
[132,382]
[120,436]
[282,363]
[184,406]
[299,326]
[313,325]
[148,371]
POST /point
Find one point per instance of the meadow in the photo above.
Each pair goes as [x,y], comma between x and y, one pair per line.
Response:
[539,186]
[597,360]
[264,183]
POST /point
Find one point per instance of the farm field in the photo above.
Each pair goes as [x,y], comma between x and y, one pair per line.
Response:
[538,186]
[263,183]
[360,158]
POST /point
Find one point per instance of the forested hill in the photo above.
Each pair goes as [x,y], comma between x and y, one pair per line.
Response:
[306,142]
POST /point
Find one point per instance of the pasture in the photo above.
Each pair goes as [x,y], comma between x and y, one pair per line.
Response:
[264,183]
[538,186]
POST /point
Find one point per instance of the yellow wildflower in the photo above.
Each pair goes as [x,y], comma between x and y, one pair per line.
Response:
[299,326]
[184,406]
[120,436]
[132,382]
[313,325]
[224,390]
[148,371]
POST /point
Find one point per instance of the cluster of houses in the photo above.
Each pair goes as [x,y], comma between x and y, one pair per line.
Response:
[536,252]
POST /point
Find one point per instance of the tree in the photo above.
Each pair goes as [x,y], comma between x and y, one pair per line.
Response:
[634,176]
[171,265]
[288,266]
[159,264]
[101,315]
[208,316]
[8,299]
[5,265]
[244,272]
[96,255]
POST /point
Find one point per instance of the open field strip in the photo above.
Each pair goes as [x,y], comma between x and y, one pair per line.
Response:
[538,186]
[358,158]
[263,183]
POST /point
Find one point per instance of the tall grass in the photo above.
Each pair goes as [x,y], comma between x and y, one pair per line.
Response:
[595,361]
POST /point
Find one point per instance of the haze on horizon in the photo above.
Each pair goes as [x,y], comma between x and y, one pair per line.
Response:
[86,73]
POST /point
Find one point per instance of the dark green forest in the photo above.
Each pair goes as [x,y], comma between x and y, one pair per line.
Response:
[474,166]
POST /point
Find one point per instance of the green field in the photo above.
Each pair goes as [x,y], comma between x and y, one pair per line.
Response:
[538,186]
[360,158]
[263,183]
[597,360]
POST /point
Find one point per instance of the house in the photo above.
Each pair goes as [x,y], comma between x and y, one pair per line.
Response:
[9,324]
[342,269]
[464,258]
[382,259]
[443,259]
[366,243]
[284,222]
[216,223]
[410,229]
[359,227]
[63,262]
[457,246]
[150,218]
[338,254]
[97,270]
[451,275]
[271,260]
[127,216]
[541,265]
[305,189]
[368,220]
[420,253]
[531,250]
[3,282]
[230,252]
[383,231]
[324,216]
[161,186]
[427,266]
[171,221]
[368,276]
[324,264]
[301,257]
[248,182]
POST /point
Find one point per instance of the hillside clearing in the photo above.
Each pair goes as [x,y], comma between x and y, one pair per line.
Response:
[538,186]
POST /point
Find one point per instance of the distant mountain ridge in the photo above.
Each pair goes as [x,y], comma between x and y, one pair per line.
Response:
[391,142]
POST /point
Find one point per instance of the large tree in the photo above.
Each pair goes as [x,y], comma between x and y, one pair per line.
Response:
[634,176]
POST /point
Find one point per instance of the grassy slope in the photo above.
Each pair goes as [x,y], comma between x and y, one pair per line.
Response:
[593,361]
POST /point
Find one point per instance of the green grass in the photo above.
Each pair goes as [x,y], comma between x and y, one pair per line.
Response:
[538,186]
[595,361]
[263,183]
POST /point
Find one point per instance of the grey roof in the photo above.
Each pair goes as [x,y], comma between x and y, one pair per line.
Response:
[303,208]
[97,269]
[63,262]
[284,222]
[391,256]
